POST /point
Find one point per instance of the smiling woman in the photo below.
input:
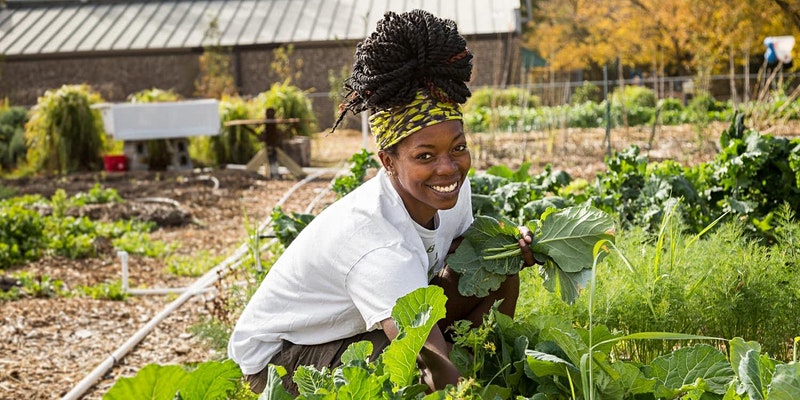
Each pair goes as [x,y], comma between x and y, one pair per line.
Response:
[338,281]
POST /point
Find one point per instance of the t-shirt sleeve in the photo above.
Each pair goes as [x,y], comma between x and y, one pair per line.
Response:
[380,278]
[465,200]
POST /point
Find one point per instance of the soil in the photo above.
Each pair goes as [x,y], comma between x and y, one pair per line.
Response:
[48,346]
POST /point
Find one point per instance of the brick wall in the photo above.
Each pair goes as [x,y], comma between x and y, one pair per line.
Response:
[117,76]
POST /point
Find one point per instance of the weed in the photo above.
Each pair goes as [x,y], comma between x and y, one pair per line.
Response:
[105,291]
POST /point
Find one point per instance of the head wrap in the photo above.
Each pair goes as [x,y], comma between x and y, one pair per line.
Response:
[392,125]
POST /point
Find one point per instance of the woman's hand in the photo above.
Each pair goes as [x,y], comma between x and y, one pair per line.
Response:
[525,246]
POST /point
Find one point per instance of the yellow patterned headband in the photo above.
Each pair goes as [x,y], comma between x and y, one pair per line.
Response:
[392,125]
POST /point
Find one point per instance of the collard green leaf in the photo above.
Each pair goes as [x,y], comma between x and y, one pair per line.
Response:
[563,240]
[415,315]
[310,380]
[633,379]
[360,384]
[568,236]
[785,383]
[357,353]
[212,380]
[274,389]
[686,367]
[750,375]
[566,284]
[542,364]
[153,382]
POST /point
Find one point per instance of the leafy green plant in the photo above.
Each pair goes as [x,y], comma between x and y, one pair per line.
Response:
[63,124]
[563,241]
[23,235]
[360,163]
[105,291]
[12,137]
[96,195]
[207,380]
[394,374]
[288,226]
[41,286]
[288,102]
[140,243]
[235,144]
[586,92]
[191,265]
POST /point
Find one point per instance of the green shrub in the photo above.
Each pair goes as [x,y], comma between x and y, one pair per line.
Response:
[12,137]
[631,96]
[63,125]
[635,105]
[587,115]
[153,95]
[22,237]
[491,97]
[288,101]
[586,92]
[671,112]
[235,144]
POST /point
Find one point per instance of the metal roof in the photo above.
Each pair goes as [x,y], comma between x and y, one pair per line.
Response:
[42,27]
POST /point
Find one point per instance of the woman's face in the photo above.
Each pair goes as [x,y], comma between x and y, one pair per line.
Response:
[428,169]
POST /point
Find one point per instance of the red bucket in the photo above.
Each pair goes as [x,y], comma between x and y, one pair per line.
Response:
[115,163]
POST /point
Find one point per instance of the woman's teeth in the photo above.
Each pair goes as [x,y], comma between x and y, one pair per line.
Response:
[445,189]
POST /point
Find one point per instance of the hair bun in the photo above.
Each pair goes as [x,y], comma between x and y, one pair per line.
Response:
[408,52]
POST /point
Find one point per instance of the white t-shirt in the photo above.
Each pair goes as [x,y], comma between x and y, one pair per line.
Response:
[343,273]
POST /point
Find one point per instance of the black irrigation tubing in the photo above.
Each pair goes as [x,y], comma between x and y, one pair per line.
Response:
[196,288]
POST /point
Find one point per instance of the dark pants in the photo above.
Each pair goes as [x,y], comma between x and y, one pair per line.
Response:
[328,355]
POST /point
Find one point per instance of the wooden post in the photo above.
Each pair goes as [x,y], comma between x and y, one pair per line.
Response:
[272,141]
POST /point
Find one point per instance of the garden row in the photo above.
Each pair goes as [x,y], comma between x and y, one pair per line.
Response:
[517,110]
[65,122]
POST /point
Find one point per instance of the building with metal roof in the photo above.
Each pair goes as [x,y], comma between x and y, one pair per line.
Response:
[120,47]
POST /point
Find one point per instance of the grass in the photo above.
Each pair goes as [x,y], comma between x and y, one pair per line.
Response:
[723,285]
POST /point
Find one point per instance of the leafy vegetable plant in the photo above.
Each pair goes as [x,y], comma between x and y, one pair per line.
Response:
[564,242]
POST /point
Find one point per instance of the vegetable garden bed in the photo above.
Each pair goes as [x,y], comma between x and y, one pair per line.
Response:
[48,344]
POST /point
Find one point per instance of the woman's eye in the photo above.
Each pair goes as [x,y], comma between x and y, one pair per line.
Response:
[461,147]
[424,156]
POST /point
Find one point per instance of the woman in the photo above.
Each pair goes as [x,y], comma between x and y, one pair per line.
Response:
[337,283]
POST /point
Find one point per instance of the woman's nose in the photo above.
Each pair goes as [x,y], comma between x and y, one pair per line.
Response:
[447,165]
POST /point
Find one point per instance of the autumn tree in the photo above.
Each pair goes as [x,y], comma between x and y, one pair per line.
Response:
[667,37]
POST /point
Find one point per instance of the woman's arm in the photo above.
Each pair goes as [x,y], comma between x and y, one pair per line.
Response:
[437,369]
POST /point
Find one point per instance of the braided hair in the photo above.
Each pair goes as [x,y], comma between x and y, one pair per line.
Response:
[407,53]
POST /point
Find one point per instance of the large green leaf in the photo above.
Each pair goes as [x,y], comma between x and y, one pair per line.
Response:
[153,382]
[688,367]
[275,389]
[473,280]
[212,380]
[785,383]
[567,284]
[542,364]
[749,374]
[563,240]
[360,384]
[569,235]
[310,380]
[415,315]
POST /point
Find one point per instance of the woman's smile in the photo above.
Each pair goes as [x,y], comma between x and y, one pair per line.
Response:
[428,169]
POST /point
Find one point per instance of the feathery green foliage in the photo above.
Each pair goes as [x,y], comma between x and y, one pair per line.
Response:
[64,133]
